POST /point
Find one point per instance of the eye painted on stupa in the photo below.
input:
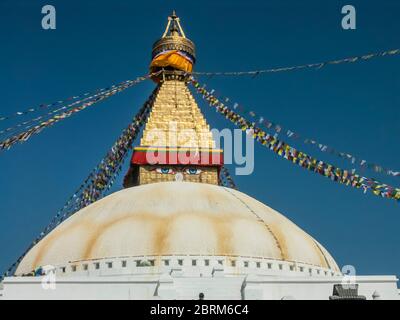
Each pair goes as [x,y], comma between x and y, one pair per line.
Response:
[192,171]
[165,170]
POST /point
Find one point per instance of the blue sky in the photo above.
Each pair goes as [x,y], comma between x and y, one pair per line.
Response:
[353,107]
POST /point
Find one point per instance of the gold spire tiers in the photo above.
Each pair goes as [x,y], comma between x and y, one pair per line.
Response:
[174,113]
[177,143]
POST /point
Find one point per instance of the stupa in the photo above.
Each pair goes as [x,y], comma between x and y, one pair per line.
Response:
[173,232]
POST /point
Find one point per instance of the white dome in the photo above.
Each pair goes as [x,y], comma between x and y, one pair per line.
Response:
[176,218]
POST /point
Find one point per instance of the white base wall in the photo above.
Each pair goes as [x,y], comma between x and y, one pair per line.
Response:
[185,277]
[165,286]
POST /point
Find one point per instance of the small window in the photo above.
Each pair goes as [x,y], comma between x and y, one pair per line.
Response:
[233,263]
[246,264]
[97,265]
[166,262]
[291,268]
[269,265]
[138,263]
[151,263]
[280,267]
[85,267]
[258,264]
[221,262]
[301,269]
[123,263]
[73,268]
[180,262]
[207,262]
[326,273]
[310,271]
[317,271]
[63,269]
[109,265]
[194,262]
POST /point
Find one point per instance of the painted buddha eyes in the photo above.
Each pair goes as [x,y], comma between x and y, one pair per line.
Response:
[192,171]
[189,171]
[165,170]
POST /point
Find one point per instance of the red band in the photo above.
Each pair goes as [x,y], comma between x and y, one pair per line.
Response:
[178,158]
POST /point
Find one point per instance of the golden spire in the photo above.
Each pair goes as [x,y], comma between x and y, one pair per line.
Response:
[176,136]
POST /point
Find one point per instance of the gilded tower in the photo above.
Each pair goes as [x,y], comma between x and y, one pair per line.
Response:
[177,143]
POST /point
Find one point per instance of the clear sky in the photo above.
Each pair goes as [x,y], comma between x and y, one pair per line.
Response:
[353,107]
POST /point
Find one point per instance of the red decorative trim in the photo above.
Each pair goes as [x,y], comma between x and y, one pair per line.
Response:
[202,158]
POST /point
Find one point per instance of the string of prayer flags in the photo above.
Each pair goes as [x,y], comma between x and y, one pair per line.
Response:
[100,178]
[295,156]
[226,179]
[99,181]
[279,129]
[317,65]
[61,102]
[106,171]
[28,123]
[25,135]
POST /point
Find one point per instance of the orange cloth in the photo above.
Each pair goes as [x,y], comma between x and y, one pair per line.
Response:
[172,59]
